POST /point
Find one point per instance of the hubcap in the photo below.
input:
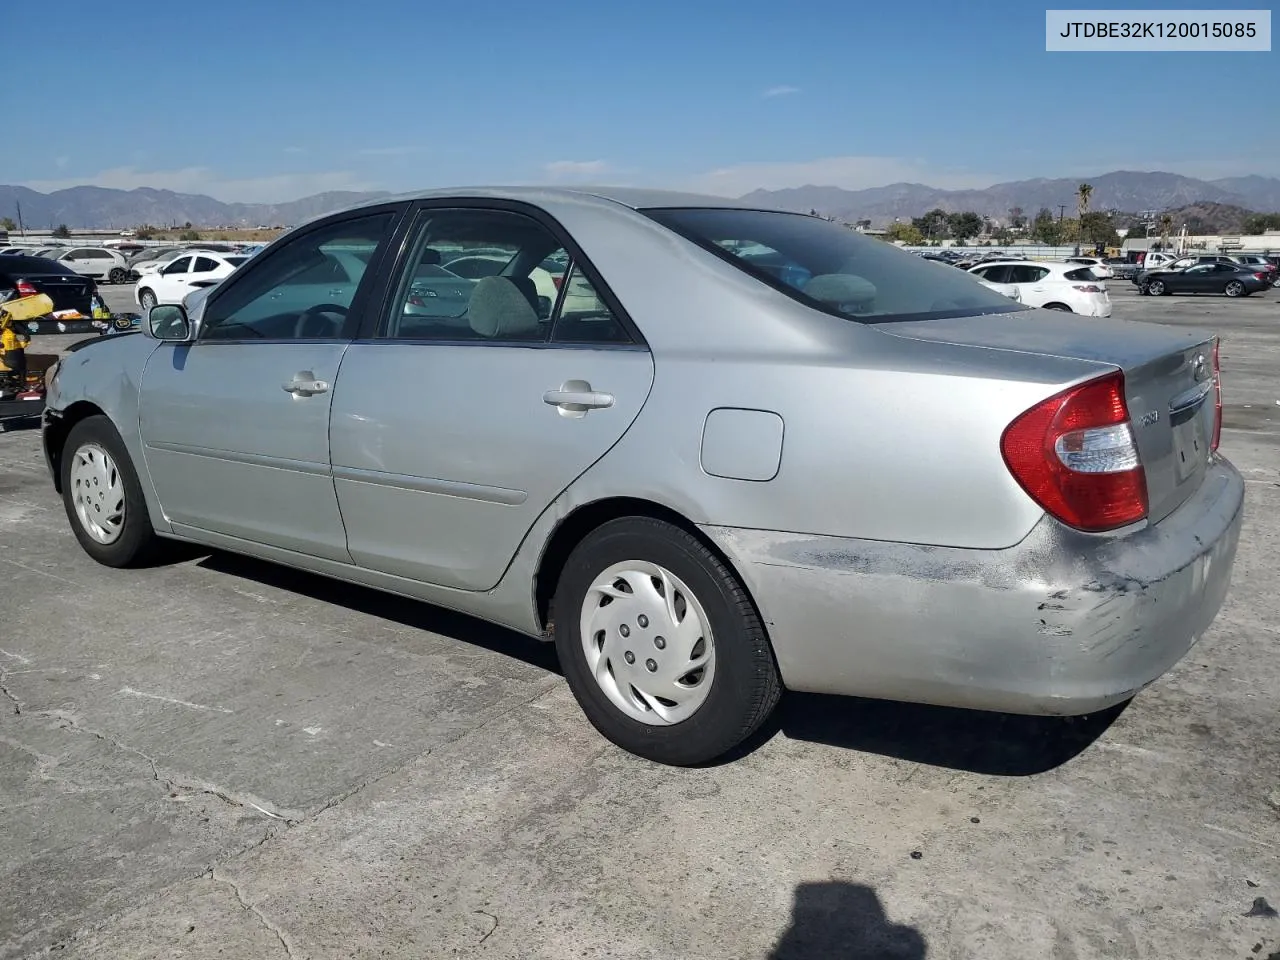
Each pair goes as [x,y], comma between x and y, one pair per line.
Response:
[1157,288]
[1234,288]
[97,491]
[648,642]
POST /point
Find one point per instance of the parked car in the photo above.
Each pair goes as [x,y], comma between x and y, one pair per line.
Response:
[152,259]
[22,276]
[183,274]
[1231,279]
[1258,263]
[1097,265]
[100,263]
[976,504]
[1054,286]
[1180,263]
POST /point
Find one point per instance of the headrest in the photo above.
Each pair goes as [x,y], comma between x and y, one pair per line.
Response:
[498,310]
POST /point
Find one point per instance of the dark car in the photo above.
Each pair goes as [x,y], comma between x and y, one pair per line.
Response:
[1227,278]
[27,276]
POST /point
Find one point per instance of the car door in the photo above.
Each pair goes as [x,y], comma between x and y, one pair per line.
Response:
[462,418]
[235,427]
[169,283]
[1029,279]
[1198,279]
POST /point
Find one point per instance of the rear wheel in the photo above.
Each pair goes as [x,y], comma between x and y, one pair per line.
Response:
[660,643]
[118,275]
[1157,288]
[1235,289]
[1058,306]
[103,497]
[147,299]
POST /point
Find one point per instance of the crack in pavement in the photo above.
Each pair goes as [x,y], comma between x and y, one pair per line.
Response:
[172,782]
[261,917]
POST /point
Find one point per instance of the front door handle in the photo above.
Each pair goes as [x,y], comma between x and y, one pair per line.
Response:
[305,384]
[575,398]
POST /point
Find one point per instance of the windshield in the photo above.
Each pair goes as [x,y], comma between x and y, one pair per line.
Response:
[831,268]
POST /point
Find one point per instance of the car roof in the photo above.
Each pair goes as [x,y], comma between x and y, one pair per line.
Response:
[637,198]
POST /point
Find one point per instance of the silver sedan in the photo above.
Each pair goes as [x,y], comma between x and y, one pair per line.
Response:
[725,452]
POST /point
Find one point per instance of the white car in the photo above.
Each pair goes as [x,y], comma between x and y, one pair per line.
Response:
[1096,264]
[97,262]
[191,271]
[1009,290]
[1054,286]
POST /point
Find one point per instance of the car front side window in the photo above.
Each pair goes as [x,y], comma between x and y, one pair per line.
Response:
[306,289]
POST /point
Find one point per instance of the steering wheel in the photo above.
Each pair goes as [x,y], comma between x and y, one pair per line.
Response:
[300,326]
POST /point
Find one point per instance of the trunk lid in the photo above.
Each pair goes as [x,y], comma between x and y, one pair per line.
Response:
[1168,376]
[68,291]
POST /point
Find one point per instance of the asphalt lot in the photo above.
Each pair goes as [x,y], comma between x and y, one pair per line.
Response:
[219,758]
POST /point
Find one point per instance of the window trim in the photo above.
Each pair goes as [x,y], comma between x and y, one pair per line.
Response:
[375,322]
[364,300]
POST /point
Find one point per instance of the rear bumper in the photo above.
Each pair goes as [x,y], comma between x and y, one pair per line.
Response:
[1063,623]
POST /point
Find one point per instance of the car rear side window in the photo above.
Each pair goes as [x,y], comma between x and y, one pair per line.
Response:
[1083,274]
[205,265]
[1026,273]
[477,274]
[830,267]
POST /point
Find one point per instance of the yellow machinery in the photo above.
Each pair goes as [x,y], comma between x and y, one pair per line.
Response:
[18,384]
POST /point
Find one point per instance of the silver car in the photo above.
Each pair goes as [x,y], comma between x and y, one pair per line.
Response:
[753,450]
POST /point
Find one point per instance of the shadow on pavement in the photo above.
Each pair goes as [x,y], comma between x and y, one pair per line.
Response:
[410,613]
[999,744]
[834,920]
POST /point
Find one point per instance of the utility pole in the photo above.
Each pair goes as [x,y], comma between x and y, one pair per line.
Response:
[21,229]
[1062,209]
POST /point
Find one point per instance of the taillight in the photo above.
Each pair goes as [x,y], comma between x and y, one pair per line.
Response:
[1087,288]
[25,288]
[1217,399]
[1260,276]
[1075,455]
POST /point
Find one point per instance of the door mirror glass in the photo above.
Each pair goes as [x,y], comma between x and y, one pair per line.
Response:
[168,322]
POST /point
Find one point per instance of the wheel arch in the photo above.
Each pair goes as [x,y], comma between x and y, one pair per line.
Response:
[579,523]
[57,430]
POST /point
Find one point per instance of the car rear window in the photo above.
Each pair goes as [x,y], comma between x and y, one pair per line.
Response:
[831,268]
[16,265]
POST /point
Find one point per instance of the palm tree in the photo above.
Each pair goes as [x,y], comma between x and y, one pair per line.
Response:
[1083,193]
[1166,224]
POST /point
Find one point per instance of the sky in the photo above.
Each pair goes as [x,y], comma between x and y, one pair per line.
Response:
[272,100]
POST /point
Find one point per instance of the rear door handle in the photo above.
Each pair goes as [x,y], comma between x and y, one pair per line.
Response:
[575,398]
[305,384]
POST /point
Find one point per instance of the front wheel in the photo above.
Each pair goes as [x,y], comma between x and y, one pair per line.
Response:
[661,645]
[1157,288]
[117,275]
[147,299]
[1235,289]
[103,497]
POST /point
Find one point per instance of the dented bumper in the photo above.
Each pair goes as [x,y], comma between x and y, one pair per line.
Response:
[1063,623]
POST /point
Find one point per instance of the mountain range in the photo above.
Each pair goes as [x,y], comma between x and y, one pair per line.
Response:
[1121,190]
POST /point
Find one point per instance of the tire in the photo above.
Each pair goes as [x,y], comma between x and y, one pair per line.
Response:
[1157,288]
[738,668]
[132,540]
[1235,289]
[146,298]
[1058,306]
[117,275]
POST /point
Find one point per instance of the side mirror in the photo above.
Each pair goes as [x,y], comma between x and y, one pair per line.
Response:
[169,322]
